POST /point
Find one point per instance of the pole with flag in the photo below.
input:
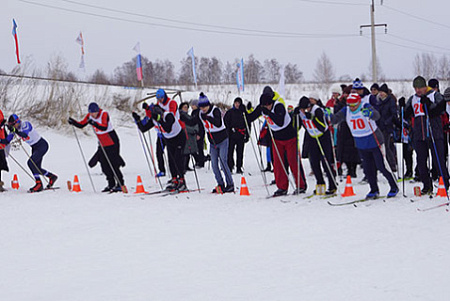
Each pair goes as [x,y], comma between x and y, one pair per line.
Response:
[14,33]
[240,76]
[191,53]
[140,75]
[80,41]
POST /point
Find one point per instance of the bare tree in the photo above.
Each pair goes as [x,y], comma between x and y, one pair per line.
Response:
[324,72]
[272,70]
[425,64]
[292,74]
[253,70]
[444,68]
[99,77]
[229,73]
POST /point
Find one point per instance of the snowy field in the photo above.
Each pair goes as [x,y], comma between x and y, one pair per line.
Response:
[59,245]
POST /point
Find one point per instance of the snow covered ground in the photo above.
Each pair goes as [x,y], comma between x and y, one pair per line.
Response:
[59,245]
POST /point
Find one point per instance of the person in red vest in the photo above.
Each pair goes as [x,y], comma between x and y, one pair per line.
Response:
[3,143]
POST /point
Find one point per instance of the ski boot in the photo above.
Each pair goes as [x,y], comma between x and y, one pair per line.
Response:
[300,190]
[372,195]
[280,192]
[182,185]
[1,187]
[228,188]
[173,185]
[51,180]
[36,188]
[218,189]
[393,192]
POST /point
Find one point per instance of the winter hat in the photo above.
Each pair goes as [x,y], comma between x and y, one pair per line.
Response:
[194,102]
[433,83]
[419,82]
[447,94]
[375,86]
[290,107]
[336,89]
[13,119]
[304,102]
[347,90]
[357,84]
[353,99]
[266,99]
[160,93]
[314,95]
[238,99]
[384,88]
[93,107]
[269,91]
[203,101]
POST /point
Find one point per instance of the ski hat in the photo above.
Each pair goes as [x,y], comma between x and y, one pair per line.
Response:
[357,84]
[93,107]
[266,99]
[13,119]
[304,102]
[269,91]
[353,99]
[238,99]
[314,95]
[290,108]
[203,100]
[336,89]
[160,93]
[433,83]
[384,88]
[419,82]
[194,102]
[375,86]
[447,94]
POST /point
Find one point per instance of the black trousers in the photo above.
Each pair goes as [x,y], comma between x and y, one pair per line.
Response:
[175,148]
[236,142]
[422,150]
[200,156]
[116,161]
[372,160]
[160,144]
[316,159]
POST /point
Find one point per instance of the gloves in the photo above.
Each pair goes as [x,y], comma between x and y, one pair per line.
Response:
[367,112]
[297,110]
[327,113]
[401,102]
[249,106]
[91,122]
[424,100]
[203,116]
[157,111]
[71,121]
[144,105]
[265,110]
[11,128]
[308,115]
[136,117]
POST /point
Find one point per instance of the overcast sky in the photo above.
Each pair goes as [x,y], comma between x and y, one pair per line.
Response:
[295,31]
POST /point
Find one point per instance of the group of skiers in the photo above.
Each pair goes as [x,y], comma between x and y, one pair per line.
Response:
[356,126]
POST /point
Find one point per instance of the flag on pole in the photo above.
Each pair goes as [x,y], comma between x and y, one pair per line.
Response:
[80,41]
[281,84]
[139,73]
[191,53]
[14,33]
[240,76]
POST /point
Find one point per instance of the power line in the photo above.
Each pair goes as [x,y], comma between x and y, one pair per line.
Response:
[419,43]
[335,3]
[416,17]
[254,34]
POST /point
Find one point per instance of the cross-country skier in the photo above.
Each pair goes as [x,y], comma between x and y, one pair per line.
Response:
[312,117]
[3,143]
[39,147]
[369,141]
[108,152]
[162,117]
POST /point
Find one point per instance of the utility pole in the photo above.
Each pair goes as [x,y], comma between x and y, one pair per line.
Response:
[372,32]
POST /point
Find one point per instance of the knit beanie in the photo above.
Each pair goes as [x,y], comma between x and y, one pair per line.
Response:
[433,83]
[375,86]
[269,91]
[447,94]
[266,99]
[384,88]
[203,101]
[93,107]
[357,84]
[419,82]
[304,102]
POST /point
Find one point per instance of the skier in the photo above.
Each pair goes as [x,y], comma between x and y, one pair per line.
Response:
[191,128]
[362,91]
[237,134]
[39,147]
[426,105]
[285,142]
[200,138]
[3,143]
[319,140]
[369,139]
[108,151]
[211,117]
[173,134]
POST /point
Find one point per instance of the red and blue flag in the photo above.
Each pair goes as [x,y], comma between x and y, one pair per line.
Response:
[14,33]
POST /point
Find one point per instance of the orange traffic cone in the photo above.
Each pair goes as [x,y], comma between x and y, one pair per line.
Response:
[139,186]
[76,185]
[244,188]
[15,182]
[441,189]
[348,188]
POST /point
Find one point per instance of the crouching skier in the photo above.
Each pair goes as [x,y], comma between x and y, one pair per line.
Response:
[368,139]
[39,148]
[319,142]
[108,152]
[174,137]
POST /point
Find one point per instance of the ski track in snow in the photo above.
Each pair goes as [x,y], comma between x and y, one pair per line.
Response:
[58,245]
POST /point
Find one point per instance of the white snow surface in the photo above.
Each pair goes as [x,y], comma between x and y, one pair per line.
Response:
[60,245]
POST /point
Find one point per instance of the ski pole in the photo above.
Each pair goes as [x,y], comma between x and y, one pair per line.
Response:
[145,152]
[403,159]
[35,165]
[152,155]
[20,165]
[84,159]
[256,155]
